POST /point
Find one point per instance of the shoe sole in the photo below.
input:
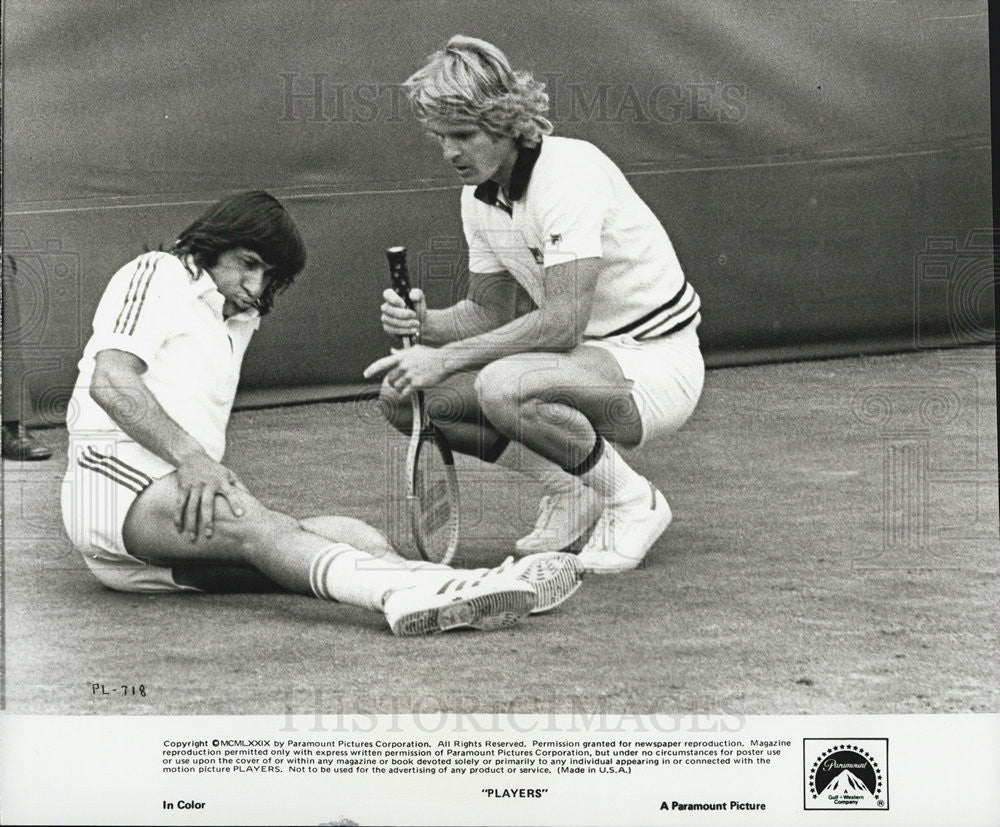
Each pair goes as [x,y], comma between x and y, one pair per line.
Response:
[554,580]
[623,564]
[486,612]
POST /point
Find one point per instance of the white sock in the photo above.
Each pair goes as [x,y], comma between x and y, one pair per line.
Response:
[342,573]
[518,457]
[612,478]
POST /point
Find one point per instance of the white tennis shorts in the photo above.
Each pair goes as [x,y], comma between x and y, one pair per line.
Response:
[97,493]
[668,375]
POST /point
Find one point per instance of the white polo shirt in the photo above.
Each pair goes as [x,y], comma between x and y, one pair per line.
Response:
[569,201]
[169,316]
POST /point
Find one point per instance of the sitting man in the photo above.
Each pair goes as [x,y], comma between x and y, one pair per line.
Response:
[146,498]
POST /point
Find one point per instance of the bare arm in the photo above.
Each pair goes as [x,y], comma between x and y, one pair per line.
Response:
[556,325]
[117,386]
[493,299]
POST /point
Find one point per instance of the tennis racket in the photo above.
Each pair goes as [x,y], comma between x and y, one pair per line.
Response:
[432,493]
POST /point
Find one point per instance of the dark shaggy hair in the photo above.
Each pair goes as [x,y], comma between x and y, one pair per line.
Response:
[255,221]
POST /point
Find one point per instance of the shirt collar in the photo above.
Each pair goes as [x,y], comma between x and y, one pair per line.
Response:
[488,191]
[204,288]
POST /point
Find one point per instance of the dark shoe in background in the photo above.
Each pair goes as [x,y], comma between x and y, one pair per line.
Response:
[20,445]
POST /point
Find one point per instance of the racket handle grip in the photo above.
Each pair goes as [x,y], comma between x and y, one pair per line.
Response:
[400,275]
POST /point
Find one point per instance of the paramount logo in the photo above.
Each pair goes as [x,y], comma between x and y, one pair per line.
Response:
[846,774]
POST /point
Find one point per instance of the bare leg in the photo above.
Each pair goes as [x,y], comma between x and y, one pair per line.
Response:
[557,403]
[356,533]
[554,403]
[570,408]
[264,541]
[257,540]
[237,580]
[303,561]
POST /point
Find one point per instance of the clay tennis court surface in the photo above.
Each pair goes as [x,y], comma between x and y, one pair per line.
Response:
[834,549]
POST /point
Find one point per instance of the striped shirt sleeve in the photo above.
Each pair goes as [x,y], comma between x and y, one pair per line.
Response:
[141,305]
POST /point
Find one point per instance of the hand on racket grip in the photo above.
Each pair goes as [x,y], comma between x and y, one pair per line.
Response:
[410,369]
[400,320]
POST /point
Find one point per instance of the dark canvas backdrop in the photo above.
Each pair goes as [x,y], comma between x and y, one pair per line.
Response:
[823,168]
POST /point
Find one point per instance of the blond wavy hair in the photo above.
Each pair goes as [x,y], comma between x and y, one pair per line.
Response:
[471,81]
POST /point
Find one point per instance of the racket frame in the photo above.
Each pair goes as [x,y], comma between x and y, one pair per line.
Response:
[424,432]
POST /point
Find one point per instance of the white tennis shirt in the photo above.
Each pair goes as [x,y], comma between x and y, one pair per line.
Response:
[170,316]
[569,201]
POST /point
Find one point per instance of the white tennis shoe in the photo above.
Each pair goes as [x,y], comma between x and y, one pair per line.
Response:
[465,600]
[625,532]
[563,518]
[553,575]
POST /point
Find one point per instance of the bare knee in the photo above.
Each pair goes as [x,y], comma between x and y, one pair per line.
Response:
[151,534]
[514,393]
[500,392]
[255,530]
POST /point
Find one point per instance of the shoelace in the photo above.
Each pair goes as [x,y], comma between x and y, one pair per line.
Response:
[605,527]
[546,507]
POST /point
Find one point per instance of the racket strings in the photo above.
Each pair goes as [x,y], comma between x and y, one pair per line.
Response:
[435,508]
[435,505]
